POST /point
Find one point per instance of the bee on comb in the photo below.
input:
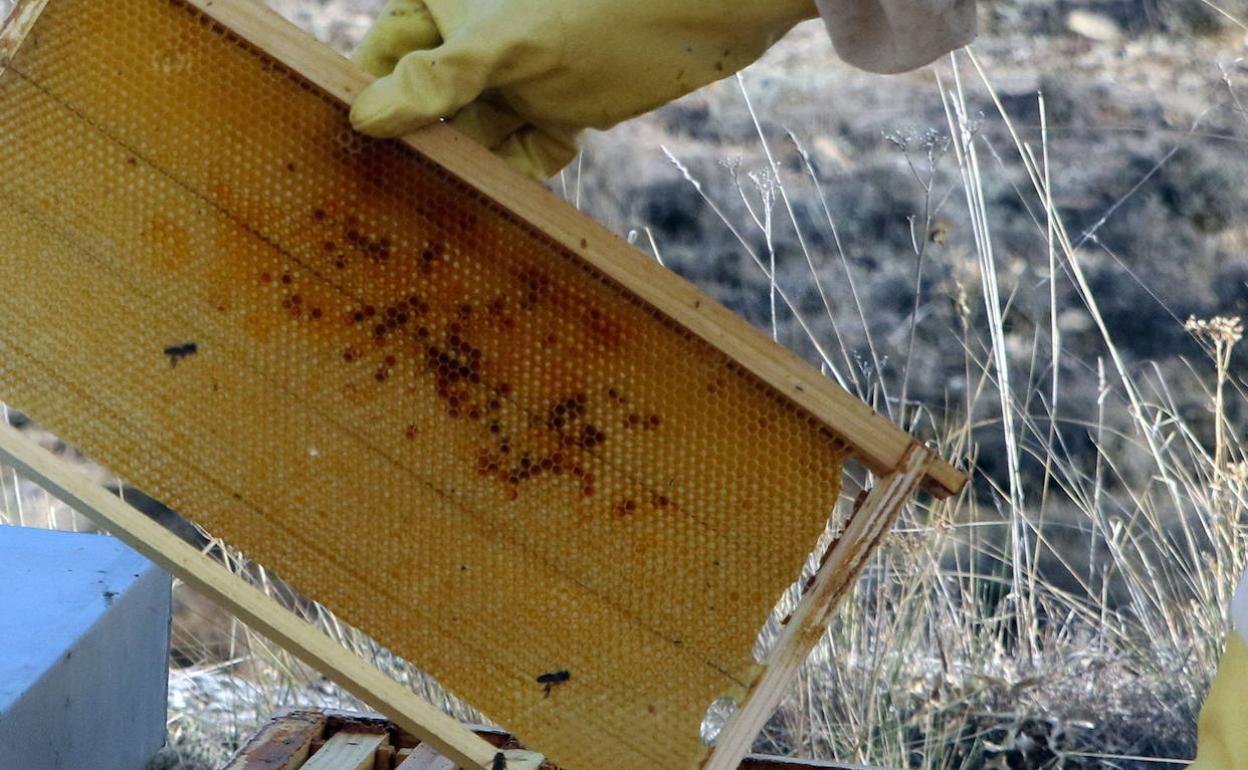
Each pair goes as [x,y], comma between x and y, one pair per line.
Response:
[178,352]
[552,679]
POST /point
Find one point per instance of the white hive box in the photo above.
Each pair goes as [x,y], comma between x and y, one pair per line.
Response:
[84,644]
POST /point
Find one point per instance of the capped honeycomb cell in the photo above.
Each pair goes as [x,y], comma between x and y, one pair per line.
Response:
[423,411]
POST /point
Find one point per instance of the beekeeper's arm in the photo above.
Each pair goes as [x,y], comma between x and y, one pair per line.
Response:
[1222,739]
[891,36]
[525,77]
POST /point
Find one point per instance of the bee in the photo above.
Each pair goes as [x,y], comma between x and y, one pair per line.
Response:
[500,762]
[178,352]
[552,679]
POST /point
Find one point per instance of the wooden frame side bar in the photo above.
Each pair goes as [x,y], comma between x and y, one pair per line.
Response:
[841,568]
[300,638]
[13,29]
[878,443]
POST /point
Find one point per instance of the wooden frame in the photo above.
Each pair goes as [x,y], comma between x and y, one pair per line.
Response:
[902,464]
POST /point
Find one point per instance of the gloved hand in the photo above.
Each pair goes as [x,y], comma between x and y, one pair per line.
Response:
[525,77]
[1222,739]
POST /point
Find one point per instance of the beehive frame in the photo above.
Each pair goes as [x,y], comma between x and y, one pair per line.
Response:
[751,358]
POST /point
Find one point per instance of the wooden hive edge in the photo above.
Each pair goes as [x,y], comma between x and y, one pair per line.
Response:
[332,720]
[282,744]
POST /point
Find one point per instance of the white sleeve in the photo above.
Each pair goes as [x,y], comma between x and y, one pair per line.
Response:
[889,36]
[1239,607]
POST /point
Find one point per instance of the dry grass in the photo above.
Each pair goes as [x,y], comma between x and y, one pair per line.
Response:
[1067,616]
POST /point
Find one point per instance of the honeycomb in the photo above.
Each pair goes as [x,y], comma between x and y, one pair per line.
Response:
[420,410]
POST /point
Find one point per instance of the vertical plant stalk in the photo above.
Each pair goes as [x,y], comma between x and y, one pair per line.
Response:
[1225,346]
[810,264]
[963,134]
[824,357]
[1219,409]
[1138,410]
[809,165]
[1219,336]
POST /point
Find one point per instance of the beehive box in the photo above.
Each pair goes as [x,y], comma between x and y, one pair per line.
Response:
[423,391]
[84,626]
[296,740]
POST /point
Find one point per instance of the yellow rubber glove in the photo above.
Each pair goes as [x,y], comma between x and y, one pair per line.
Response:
[525,77]
[1222,738]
